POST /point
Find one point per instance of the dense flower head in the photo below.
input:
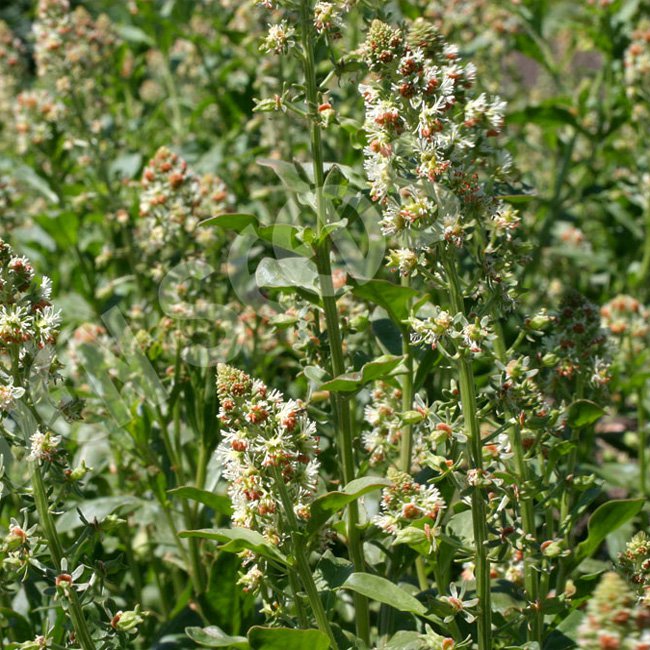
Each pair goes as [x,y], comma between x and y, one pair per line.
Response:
[422,124]
[627,319]
[12,65]
[406,501]
[637,60]
[265,439]
[634,562]
[37,118]
[27,319]
[440,328]
[173,201]
[578,343]
[613,619]
[383,416]
[70,45]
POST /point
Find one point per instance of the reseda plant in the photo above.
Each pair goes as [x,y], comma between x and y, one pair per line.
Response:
[36,563]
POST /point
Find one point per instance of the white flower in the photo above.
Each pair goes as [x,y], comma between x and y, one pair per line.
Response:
[9,394]
[44,446]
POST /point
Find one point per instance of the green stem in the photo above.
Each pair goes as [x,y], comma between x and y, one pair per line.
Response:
[644,270]
[341,404]
[475,457]
[48,526]
[643,444]
[527,505]
[567,496]
[302,563]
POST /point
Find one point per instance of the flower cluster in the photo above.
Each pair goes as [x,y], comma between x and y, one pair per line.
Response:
[628,320]
[613,619]
[577,345]
[422,127]
[406,502]
[266,439]
[71,47]
[28,322]
[634,562]
[173,201]
[384,417]
[637,60]
[37,117]
[12,54]
[440,326]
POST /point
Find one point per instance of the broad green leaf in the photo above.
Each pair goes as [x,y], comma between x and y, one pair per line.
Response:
[393,298]
[326,505]
[292,176]
[11,620]
[238,539]
[384,591]
[236,221]
[404,640]
[606,519]
[28,176]
[218,502]
[286,236]
[134,34]
[281,638]
[351,381]
[288,272]
[96,510]
[582,412]
[214,637]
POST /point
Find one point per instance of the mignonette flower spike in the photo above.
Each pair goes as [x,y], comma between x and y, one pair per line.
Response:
[265,436]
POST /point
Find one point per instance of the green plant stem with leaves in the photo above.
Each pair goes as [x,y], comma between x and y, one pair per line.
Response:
[527,506]
[567,498]
[302,563]
[323,266]
[48,527]
[475,457]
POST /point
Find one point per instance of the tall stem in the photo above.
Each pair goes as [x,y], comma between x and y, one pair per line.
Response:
[302,563]
[643,444]
[48,526]
[323,265]
[475,458]
[531,581]
[568,494]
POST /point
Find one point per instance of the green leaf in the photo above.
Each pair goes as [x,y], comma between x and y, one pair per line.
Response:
[287,272]
[394,298]
[134,34]
[405,640]
[214,637]
[218,502]
[281,638]
[291,175]
[96,510]
[384,591]
[12,620]
[236,221]
[582,412]
[606,519]
[326,505]
[351,381]
[286,236]
[238,539]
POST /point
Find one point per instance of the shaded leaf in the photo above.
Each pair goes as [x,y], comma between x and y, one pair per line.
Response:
[583,412]
[326,505]
[384,591]
[236,221]
[218,502]
[214,637]
[371,371]
[280,638]
[238,539]
[606,519]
